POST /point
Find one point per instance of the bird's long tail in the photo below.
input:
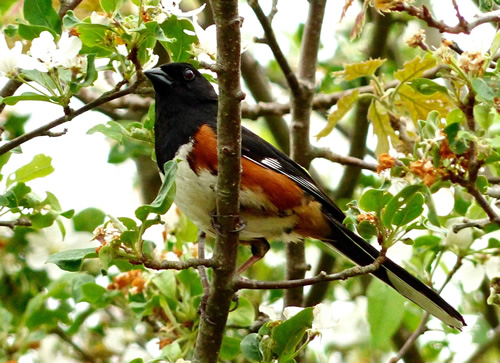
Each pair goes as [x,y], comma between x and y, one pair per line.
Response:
[362,253]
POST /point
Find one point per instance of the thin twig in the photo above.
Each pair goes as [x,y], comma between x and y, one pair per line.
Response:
[327,154]
[462,27]
[243,283]
[23,221]
[290,76]
[86,357]
[468,223]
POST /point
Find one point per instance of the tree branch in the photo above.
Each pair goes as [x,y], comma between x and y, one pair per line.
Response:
[23,221]
[243,283]
[213,319]
[301,109]
[462,27]
[328,154]
[272,42]
[105,97]
[8,90]
[175,265]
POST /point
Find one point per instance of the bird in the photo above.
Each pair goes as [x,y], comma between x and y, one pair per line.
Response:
[279,200]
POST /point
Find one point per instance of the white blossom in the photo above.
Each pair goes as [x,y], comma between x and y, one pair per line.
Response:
[53,55]
[99,18]
[172,7]
[13,59]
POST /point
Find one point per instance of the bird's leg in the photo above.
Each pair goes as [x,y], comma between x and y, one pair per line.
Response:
[259,248]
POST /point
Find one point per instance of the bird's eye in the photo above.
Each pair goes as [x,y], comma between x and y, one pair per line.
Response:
[188,74]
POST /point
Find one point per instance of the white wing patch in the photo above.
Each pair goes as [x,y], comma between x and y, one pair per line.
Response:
[276,165]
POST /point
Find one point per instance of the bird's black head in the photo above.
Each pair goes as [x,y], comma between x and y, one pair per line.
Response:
[185,101]
[181,82]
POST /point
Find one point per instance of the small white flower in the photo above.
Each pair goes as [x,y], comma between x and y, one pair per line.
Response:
[207,41]
[14,59]
[152,60]
[51,55]
[291,311]
[172,7]
[99,18]
[269,311]
[323,317]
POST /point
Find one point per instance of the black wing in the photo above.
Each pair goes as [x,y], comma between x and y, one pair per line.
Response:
[256,149]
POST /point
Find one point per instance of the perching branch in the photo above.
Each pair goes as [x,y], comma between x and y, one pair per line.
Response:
[463,26]
[41,131]
[301,109]
[174,265]
[243,283]
[328,154]
[214,317]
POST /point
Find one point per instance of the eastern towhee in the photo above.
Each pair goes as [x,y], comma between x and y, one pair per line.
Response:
[278,198]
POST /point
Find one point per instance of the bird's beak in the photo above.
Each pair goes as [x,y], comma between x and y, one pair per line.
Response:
[156,75]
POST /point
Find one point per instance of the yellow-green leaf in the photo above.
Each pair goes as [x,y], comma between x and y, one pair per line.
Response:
[39,167]
[344,104]
[362,69]
[382,128]
[414,69]
[419,105]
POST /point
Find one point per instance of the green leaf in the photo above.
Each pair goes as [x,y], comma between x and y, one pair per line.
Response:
[344,105]
[374,200]
[30,32]
[244,315]
[414,69]
[10,30]
[190,279]
[70,20]
[71,260]
[106,255]
[382,128]
[427,87]
[397,202]
[366,229]
[455,116]
[110,6]
[180,30]
[88,219]
[482,184]
[413,208]
[419,105]
[385,313]
[230,348]
[362,69]
[94,35]
[92,293]
[6,5]
[165,196]
[25,96]
[76,282]
[39,167]
[112,129]
[289,334]
[14,124]
[482,89]
[91,72]
[250,347]
[483,116]
[41,12]
[165,282]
